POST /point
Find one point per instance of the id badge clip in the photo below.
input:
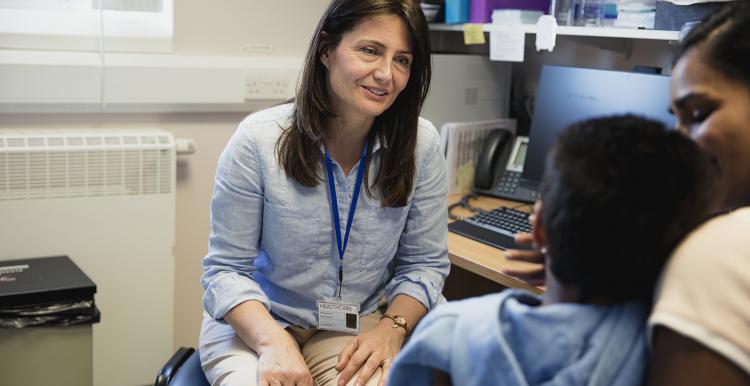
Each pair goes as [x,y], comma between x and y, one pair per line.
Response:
[338,316]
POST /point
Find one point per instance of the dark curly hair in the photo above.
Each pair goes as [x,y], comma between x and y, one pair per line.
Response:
[619,193]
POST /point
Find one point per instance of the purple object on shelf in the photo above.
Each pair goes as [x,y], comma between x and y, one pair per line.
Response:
[481,10]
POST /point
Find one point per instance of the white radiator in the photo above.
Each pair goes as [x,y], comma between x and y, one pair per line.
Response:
[106,198]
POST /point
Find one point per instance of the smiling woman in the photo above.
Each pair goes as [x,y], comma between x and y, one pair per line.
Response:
[397,125]
[714,108]
[700,326]
[328,230]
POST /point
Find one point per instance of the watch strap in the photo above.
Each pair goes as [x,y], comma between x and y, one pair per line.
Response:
[398,321]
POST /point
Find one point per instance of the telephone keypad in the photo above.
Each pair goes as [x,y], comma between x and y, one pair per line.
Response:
[508,182]
[510,186]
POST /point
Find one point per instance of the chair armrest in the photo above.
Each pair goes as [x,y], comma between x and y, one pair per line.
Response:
[170,368]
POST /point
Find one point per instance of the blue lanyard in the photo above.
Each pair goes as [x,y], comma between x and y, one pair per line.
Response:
[352,209]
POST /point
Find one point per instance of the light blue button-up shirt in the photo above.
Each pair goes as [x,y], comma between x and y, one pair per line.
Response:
[272,239]
[511,339]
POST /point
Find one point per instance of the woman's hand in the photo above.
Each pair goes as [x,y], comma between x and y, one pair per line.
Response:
[373,349]
[534,275]
[281,363]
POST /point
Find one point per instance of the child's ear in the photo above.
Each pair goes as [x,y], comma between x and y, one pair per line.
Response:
[537,226]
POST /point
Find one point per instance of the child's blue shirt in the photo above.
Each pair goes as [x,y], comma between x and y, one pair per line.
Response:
[509,339]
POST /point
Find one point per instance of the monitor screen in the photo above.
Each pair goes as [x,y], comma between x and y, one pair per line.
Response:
[569,94]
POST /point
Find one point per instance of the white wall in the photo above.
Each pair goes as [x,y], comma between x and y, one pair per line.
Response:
[226,27]
[201,28]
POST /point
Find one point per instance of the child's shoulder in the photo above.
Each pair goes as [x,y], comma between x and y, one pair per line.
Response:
[486,306]
[479,302]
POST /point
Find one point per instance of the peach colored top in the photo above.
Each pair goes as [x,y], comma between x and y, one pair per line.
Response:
[705,289]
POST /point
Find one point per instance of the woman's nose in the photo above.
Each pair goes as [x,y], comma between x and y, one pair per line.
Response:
[383,70]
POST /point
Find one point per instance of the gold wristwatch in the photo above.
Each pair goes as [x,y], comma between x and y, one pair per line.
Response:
[398,321]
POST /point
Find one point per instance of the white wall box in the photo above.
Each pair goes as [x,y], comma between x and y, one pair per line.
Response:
[38,81]
[79,25]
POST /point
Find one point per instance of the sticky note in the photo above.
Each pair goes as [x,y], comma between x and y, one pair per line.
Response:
[507,45]
[473,34]
[466,177]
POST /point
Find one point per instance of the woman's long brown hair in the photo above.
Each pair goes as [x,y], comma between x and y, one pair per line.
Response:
[298,149]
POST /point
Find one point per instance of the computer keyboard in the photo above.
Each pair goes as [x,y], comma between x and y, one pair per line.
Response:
[496,227]
[502,220]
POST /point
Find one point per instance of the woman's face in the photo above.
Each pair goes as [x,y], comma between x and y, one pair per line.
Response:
[369,67]
[715,111]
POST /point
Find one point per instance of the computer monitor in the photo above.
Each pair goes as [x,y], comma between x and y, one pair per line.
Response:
[569,94]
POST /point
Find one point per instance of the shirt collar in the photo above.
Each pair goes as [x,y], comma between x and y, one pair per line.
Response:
[376,145]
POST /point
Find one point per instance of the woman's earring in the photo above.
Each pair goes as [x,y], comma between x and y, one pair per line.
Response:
[543,250]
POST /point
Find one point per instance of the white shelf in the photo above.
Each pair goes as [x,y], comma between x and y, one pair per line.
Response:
[608,32]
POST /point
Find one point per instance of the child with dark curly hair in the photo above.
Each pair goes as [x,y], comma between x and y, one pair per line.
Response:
[618,195]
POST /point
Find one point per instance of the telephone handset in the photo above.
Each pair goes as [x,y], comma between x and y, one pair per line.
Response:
[494,146]
[499,167]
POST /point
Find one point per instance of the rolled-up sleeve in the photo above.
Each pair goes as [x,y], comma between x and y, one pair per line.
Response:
[236,221]
[421,263]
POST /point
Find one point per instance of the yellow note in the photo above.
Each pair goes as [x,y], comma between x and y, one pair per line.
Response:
[473,34]
[466,177]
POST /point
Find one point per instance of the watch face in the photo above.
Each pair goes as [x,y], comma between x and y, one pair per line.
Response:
[400,320]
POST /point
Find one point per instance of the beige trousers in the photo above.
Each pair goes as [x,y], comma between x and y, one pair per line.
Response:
[227,361]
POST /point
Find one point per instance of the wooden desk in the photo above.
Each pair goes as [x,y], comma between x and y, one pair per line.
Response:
[482,259]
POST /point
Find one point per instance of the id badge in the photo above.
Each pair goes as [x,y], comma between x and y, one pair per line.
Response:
[338,316]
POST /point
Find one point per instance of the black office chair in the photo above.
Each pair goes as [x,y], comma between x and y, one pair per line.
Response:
[183,369]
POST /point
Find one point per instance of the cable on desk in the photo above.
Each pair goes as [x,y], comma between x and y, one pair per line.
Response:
[464,203]
[531,206]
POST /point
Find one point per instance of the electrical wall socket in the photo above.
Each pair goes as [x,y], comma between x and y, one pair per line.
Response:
[267,86]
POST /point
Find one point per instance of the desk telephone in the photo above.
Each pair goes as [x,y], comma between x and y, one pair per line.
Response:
[498,173]
[499,168]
